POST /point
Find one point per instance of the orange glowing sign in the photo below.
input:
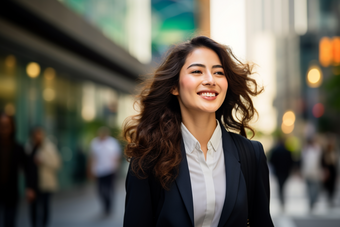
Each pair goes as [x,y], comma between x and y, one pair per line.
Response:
[336,50]
[329,51]
[325,51]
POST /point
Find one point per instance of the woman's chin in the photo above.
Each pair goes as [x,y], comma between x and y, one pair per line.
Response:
[208,110]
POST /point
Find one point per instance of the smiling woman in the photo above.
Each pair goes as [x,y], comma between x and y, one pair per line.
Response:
[185,165]
[202,83]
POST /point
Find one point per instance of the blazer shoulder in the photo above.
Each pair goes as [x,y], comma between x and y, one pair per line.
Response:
[250,144]
[259,150]
[253,146]
[238,136]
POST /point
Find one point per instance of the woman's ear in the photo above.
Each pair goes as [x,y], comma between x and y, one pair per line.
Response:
[174,91]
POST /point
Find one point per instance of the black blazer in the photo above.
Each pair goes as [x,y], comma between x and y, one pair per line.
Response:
[147,204]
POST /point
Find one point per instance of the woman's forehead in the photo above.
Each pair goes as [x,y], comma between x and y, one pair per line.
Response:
[202,55]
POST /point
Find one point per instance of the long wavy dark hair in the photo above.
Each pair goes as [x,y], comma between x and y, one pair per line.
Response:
[154,135]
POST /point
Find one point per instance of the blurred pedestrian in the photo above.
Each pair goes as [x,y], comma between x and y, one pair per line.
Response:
[282,163]
[330,164]
[43,164]
[312,169]
[105,160]
[12,159]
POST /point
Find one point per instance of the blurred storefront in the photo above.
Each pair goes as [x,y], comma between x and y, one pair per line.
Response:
[273,44]
[320,66]
[289,40]
[61,72]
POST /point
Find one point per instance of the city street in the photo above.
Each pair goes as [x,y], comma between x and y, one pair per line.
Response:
[296,213]
[74,73]
[80,207]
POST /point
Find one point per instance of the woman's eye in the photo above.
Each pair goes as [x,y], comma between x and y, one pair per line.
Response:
[220,73]
[196,71]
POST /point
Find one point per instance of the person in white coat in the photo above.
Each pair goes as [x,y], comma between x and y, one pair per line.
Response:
[43,164]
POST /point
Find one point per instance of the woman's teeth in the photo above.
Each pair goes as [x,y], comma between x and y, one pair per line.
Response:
[207,94]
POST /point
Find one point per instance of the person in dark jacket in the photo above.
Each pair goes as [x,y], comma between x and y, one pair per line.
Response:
[282,163]
[330,166]
[185,167]
[12,159]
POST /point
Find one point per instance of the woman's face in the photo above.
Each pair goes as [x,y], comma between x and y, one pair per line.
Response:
[202,82]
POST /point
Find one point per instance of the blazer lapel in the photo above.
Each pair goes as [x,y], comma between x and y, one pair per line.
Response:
[233,171]
[184,184]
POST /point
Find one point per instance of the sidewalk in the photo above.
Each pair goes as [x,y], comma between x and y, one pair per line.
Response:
[80,207]
[296,213]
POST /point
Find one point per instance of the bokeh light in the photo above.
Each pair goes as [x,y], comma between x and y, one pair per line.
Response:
[10,61]
[293,144]
[288,121]
[49,73]
[33,69]
[88,113]
[288,118]
[49,94]
[286,129]
[318,110]
[314,77]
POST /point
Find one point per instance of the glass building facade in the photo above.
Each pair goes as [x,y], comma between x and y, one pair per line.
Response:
[70,82]
[72,66]
[70,110]
[109,16]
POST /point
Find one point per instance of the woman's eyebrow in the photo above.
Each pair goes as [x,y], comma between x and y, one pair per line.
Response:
[217,66]
[201,65]
[196,64]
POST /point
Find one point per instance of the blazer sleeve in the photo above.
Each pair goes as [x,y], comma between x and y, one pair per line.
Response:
[138,204]
[261,214]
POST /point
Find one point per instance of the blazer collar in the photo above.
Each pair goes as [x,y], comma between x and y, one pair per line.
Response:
[184,184]
[232,171]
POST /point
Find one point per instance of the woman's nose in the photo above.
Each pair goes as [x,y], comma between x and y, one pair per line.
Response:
[208,79]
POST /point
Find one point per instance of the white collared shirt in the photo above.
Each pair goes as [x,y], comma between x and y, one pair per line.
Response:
[208,180]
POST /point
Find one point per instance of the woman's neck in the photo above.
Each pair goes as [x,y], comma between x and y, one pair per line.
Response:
[201,126]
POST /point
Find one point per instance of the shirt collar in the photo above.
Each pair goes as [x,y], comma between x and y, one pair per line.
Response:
[192,143]
[216,137]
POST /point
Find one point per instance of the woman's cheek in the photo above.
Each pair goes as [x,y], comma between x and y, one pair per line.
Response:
[188,82]
[224,83]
